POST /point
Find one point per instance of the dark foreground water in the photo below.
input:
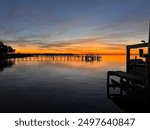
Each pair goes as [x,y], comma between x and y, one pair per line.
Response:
[57,84]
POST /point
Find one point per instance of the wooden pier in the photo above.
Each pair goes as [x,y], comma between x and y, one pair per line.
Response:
[66,58]
[136,79]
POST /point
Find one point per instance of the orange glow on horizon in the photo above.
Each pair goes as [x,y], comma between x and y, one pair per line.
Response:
[73,50]
[77,48]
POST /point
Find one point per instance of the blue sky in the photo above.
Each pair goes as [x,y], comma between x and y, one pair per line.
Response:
[61,24]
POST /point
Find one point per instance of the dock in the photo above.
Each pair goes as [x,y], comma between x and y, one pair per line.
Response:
[136,79]
[53,57]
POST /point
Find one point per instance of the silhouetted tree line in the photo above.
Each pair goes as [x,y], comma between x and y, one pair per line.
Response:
[5,49]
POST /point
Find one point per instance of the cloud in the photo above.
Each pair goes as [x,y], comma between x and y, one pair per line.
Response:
[73,24]
[69,42]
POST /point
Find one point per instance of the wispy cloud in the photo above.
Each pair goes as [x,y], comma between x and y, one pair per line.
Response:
[73,24]
[69,42]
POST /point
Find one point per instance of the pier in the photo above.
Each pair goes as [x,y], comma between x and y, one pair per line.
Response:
[83,58]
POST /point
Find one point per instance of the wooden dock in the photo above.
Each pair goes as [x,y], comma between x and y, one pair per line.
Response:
[136,79]
[127,82]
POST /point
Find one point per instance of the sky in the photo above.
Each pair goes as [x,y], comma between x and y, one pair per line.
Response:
[73,26]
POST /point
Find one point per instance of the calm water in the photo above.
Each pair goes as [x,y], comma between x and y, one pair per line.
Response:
[57,84]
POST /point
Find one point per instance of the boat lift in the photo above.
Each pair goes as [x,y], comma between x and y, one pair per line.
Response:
[136,79]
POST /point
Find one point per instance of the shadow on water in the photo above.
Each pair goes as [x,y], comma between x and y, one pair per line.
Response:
[131,104]
[6,63]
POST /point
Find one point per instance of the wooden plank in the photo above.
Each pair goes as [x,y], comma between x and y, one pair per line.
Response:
[127,76]
[128,60]
[140,45]
[115,83]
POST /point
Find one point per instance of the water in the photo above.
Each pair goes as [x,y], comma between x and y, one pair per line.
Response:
[57,84]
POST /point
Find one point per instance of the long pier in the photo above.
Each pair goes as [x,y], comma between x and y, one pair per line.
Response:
[86,58]
[52,57]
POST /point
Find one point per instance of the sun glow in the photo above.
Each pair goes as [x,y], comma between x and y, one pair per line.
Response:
[86,48]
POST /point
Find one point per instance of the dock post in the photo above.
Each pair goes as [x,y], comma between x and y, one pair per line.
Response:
[108,79]
[128,60]
[148,66]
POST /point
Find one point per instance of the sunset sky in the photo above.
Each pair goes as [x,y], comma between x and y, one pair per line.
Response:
[73,26]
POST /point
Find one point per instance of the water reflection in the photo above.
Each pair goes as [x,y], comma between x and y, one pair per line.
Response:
[130,104]
[58,84]
[104,62]
[6,63]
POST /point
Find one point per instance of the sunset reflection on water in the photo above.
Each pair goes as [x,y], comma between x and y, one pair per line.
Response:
[58,84]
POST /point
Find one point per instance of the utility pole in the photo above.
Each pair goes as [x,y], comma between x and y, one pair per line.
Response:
[148,65]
